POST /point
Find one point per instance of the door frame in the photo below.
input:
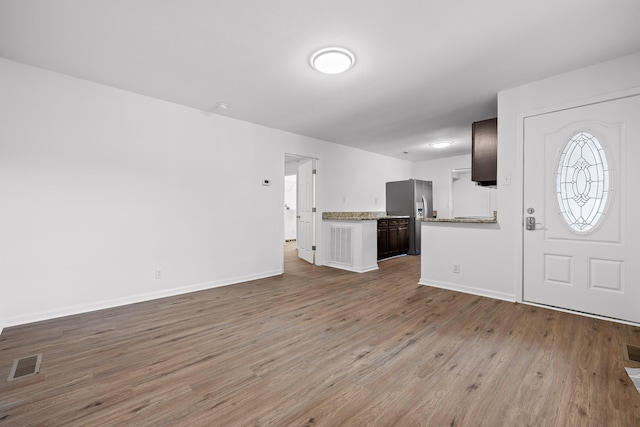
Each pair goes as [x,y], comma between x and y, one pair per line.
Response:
[318,214]
[520,199]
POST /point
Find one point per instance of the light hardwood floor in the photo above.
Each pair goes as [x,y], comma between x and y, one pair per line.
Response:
[320,346]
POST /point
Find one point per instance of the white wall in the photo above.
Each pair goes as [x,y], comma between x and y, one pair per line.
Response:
[290,210]
[491,256]
[439,172]
[469,199]
[100,187]
[362,188]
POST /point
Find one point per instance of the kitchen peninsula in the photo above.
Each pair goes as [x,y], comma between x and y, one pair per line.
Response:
[356,241]
[353,239]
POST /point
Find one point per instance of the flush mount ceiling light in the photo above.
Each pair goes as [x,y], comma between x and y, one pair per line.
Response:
[332,60]
[441,144]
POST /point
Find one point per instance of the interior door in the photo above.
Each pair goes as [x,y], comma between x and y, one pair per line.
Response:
[581,239]
[305,211]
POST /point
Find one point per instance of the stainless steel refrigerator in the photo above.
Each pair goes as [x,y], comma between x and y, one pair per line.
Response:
[414,198]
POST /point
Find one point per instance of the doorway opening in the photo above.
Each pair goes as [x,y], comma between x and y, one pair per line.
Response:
[300,178]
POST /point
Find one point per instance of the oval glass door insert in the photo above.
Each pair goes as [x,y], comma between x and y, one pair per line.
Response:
[583,183]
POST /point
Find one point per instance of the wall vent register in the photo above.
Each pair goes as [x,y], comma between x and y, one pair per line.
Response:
[341,246]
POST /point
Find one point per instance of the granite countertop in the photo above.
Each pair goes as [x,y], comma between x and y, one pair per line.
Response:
[358,216]
[467,219]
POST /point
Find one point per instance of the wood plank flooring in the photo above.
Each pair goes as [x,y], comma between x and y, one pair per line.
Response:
[322,347]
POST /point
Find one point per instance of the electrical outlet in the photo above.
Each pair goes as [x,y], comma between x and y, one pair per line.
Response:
[158,273]
[456,268]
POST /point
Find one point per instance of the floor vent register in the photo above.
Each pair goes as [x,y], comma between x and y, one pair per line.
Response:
[632,353]
[25,367]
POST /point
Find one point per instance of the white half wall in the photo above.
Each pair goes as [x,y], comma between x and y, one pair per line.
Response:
[102,187]
[477,270]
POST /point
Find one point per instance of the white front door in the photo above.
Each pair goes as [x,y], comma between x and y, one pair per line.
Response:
[305,211]
[581,172]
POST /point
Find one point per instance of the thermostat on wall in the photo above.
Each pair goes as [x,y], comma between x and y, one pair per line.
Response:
[266,182]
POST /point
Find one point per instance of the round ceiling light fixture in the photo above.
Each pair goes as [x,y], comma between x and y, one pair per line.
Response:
[332,60]
[441,144]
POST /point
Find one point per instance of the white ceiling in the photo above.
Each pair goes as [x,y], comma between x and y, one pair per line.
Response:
[425,70]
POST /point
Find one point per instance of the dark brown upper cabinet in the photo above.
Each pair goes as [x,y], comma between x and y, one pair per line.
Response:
[484,152]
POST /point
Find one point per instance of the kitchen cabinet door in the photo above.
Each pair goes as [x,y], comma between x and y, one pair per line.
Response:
[484,152]
[393,237]
[383,239]
[403,236]
[394,248]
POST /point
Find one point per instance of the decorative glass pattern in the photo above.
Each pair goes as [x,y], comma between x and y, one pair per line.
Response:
[582,182]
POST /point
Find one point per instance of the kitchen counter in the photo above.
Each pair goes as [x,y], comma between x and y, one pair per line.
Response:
[352,239]
[467,219]
[358,216]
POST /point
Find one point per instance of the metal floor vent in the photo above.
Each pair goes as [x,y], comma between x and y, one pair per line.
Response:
[25,367]
[632,353]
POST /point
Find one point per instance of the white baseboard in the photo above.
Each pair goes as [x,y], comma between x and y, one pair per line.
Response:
[116,302]
[349,268]
[580,313]
[469,290]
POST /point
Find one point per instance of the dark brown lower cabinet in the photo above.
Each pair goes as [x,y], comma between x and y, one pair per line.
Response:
[383,238]
[393,237]
[403,236]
